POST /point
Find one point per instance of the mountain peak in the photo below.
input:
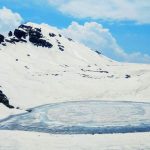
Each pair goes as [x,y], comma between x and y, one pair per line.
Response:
[38,35]
[41,39]
[45,36]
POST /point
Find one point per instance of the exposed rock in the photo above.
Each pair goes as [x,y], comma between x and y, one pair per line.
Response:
[25,27]
[22,40]
[10,41]
[58,42]
[99,53]
[70,39]
[38,29]
[60,35]
[4,100]
[20,34]
[100,71]
[29,110]
[55,74]
[110,76]
[103,71]
[39,42]
[4,44]
[26,67]
[60,48]
[86,76]
[15,40]
[36,37]
[52,34]
[35,33]
[1,38]
[127,76]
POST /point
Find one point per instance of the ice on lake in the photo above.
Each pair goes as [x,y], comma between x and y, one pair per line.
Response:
[86,117]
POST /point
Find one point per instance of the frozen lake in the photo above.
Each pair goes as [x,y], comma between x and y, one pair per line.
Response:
[90,117]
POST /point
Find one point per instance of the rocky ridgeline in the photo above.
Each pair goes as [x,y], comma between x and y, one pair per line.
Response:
[20,35]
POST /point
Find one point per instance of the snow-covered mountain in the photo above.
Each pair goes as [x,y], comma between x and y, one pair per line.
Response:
[38,66]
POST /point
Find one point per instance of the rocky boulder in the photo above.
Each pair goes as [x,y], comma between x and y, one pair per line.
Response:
[1,38]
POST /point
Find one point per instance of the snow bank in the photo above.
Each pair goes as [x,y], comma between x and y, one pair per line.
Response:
[16,140]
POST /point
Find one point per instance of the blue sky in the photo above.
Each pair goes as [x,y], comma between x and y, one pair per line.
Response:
[130,31]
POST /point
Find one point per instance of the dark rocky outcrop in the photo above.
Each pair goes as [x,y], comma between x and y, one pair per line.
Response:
[58,42]
[60,35]
[1,38]
[10,33]
[38,29]
[61,46]
[4,100]
[35,33]
[39,42]
[103,71]
[55,74]
[20,34]
[29,110]
[127,76]
[52,34]
[4,44]
[15,40]
[100,71]
[70,39]
[22,40]
[61,49]
[25,27]
[35,36]
[99,53]
[10,41]
[26,67]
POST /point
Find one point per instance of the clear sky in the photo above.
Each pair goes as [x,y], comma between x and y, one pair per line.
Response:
[120,29]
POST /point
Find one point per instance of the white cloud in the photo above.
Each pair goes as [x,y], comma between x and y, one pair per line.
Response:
[133,10]
[98,38]
[8,20]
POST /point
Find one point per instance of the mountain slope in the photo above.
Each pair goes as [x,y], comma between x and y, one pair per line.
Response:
[40,66]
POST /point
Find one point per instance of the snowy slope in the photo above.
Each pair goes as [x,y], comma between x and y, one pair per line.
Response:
[65,70]
[16,140]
